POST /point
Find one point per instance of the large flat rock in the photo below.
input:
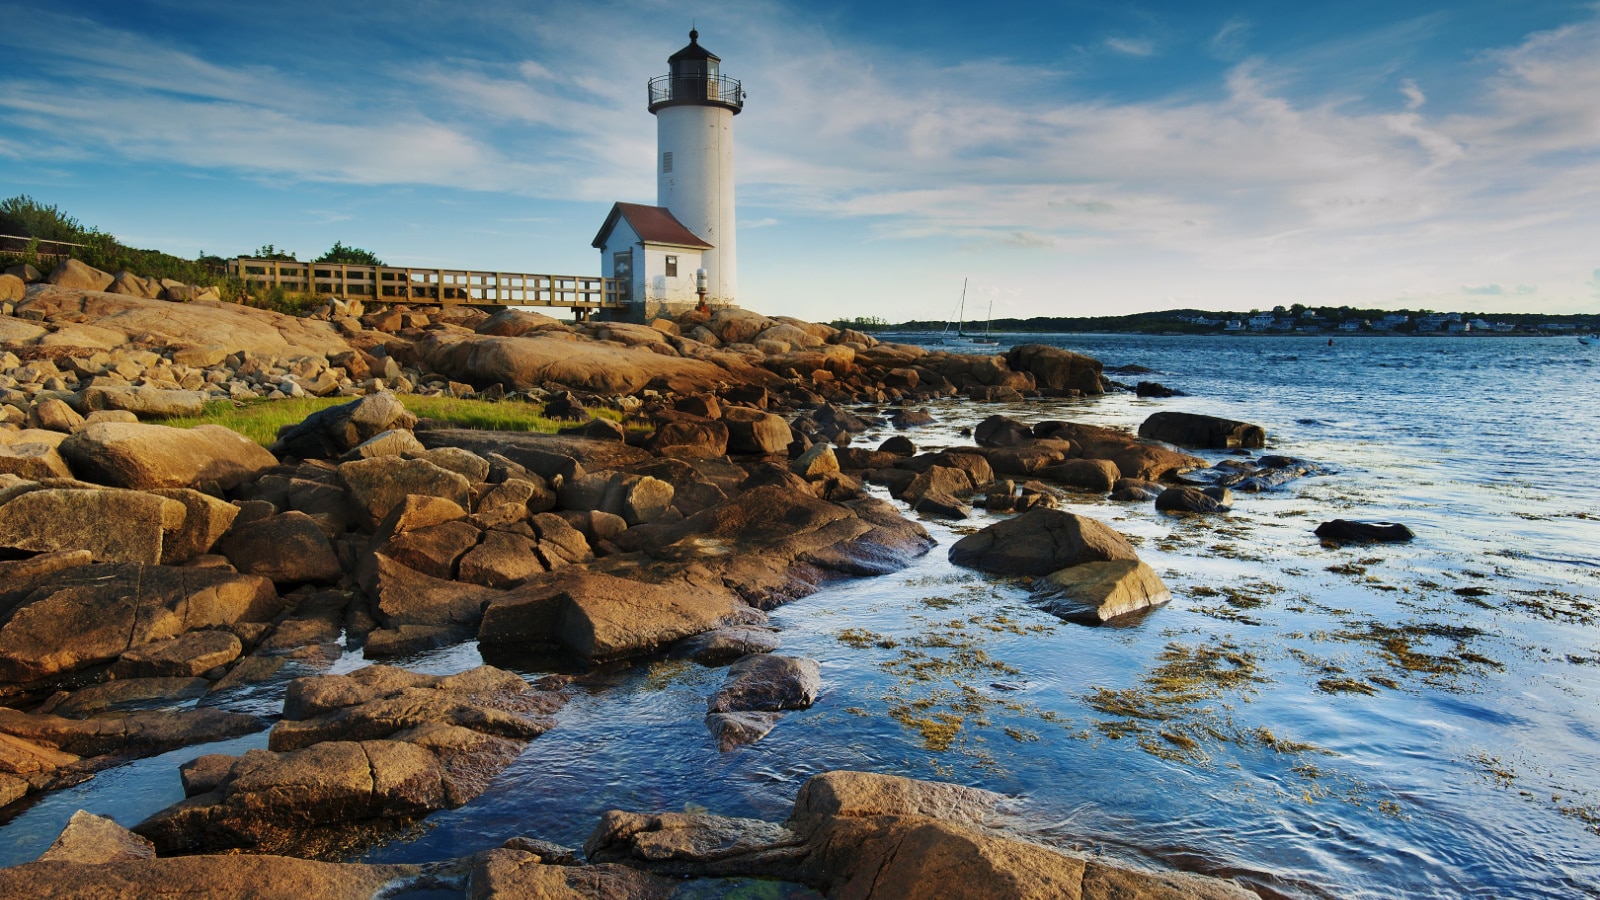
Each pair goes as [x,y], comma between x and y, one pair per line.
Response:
[520,363]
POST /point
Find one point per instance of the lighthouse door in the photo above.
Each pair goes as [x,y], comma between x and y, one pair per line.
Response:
[622,271]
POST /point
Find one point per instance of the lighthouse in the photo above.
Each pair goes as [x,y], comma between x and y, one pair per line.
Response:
[656,252]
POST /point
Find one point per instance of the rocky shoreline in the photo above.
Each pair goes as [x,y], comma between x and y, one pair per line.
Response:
[154,571]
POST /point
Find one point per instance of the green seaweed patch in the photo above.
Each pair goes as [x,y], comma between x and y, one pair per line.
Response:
[861,639]
[1405,648]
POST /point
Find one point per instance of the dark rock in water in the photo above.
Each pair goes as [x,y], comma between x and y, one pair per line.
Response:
[768,682]
[852,834]
[185,656]
[1156,389]
[1345,530]
[1038,542]
[126,694]
[726,644]
[899,445]
[911,418]
[1189,500]
[942,505]
[1130,370]
[1056,369]
[735,729]
[1193,430]
[1096,475]
[1000,431]
[95,840]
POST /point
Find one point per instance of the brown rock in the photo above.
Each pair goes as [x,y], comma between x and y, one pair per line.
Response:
[289,548]
[116,526]
[1038,542]
[1099,591]
[209,458]
[1056,369]
[128,734]
[145,402]
[1097,475]
[206,519]
[378,485]
[332,432]
[96,840]
[76,275]
[435,550]
[688,439]
[95,613]
[754,431]
[1193,430]
[185,656]
[242,877]
[504,874]
[502,560]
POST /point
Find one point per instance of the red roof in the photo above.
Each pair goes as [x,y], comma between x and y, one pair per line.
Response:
[653,225]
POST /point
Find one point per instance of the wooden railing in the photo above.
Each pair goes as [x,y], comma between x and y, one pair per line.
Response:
[396,284]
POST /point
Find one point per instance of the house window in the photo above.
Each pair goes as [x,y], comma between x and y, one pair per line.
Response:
[672,267]
[666,163]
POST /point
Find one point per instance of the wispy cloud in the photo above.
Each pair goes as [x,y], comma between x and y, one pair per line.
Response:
[1131,46]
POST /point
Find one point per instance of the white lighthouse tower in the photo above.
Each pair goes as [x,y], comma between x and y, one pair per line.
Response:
[694,105]
[656,251]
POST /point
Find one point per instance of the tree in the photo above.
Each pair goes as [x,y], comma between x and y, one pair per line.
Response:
[24,216]
[270,251]
[350,256]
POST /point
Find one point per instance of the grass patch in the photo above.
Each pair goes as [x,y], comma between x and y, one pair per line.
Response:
[260,420]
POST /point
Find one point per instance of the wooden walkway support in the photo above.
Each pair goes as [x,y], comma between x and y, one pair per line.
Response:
[396,284]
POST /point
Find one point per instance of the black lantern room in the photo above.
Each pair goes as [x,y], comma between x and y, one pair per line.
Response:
[694,80]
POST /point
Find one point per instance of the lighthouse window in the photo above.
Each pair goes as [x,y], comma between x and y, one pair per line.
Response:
[672,267]
[666,162]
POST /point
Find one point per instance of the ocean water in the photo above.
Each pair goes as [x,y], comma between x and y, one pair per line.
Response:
[1413,720]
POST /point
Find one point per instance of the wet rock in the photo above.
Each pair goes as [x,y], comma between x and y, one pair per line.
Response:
[91,614]
[1099,591]
[942,505]
[404,596]
[114,525]
[1155,389]
[289,548]
[1193,430]
[769,683]
[911,418]
[1038,542]
[1348,531]
[943,480]
[378,485]
[726,644]
[1188,500]
[999,431]
[1097,475]
[852,834]
[1029,458]
[209,458]
[330,433]
[899,445]
[736,729]
[185,656]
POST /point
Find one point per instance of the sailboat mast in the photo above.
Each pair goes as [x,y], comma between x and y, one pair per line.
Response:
[961,311]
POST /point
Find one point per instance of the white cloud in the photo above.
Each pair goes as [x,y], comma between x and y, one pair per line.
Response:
[1131,46]
[1413,94]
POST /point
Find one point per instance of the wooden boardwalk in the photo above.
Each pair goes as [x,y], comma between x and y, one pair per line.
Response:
[397,284]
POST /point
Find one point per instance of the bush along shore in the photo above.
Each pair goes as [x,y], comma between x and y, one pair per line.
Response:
[409,478]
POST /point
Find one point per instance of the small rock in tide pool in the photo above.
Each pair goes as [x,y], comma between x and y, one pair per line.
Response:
[1345,530]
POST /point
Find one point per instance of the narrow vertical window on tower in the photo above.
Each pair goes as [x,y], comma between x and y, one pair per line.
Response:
[666,163]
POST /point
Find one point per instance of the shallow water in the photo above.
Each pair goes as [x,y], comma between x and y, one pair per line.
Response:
[1414,720]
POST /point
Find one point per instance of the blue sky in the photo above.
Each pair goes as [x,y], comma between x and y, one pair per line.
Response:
[1071,158]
